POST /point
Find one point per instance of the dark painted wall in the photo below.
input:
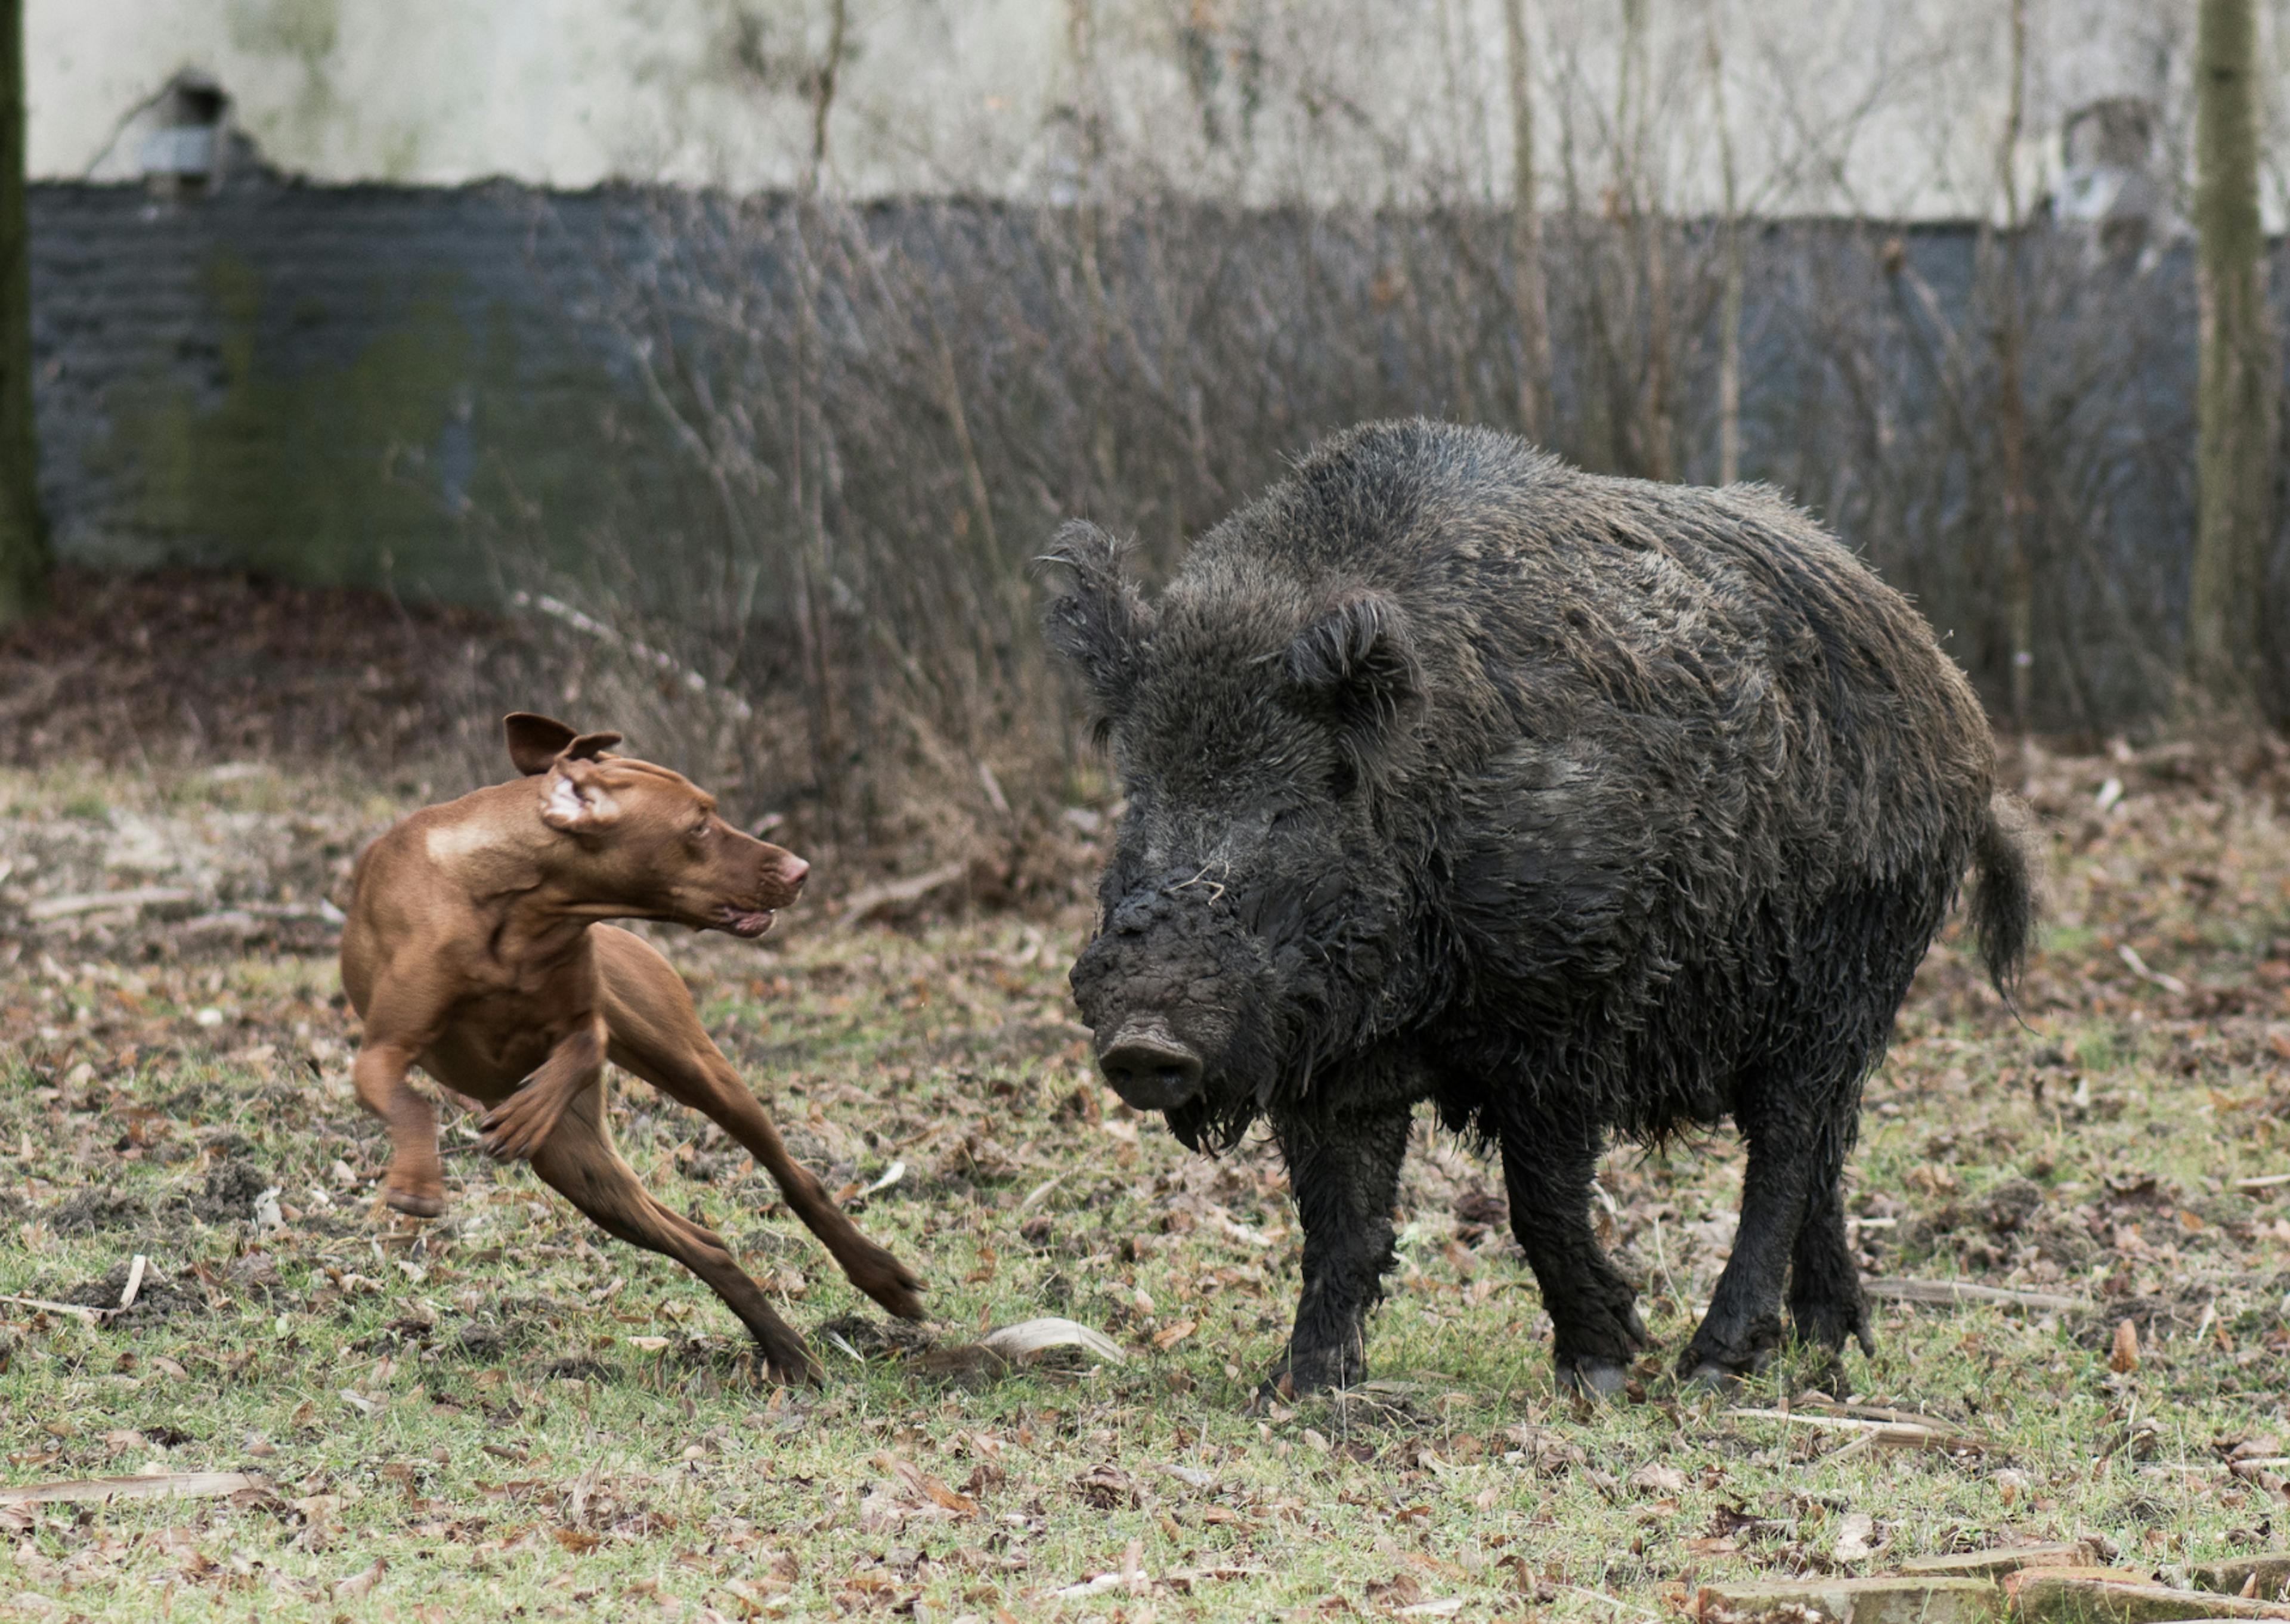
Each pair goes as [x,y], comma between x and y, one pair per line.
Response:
[325,382]
[424,388]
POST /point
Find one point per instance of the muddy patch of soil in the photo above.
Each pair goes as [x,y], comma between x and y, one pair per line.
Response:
[92,1212]
[157,1298]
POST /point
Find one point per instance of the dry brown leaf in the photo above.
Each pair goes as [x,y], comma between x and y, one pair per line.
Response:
[1165,1340]
[359,1584]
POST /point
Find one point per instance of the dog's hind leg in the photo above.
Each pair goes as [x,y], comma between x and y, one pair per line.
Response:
[579,1161]
[656,1035]
[400,1021]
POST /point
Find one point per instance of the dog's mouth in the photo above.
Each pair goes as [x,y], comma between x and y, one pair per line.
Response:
[745,922]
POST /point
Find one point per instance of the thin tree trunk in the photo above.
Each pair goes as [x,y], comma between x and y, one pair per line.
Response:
[1729,308]
[2012,402]
[810,461]
[1089,107]
[822,103]
[1646,245]
[1530,302]
[2235,405]
[23,527]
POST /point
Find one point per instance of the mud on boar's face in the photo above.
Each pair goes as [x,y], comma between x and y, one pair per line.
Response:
[1253,917]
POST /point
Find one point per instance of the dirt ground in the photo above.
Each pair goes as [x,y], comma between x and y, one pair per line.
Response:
[505,1414]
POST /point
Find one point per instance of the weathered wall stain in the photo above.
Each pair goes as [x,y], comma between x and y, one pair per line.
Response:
[323,473]
[334,386]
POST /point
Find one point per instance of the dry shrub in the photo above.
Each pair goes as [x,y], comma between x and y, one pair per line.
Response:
[855,426]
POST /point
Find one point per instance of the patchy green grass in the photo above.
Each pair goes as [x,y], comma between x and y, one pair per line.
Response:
[505,1414]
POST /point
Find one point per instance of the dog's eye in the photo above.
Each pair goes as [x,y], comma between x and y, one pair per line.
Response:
[700,831]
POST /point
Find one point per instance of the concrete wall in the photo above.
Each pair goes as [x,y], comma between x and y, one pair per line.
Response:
[1829,105]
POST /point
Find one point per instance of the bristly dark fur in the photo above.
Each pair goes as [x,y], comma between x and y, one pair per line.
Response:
[1575,805]
[1101,625]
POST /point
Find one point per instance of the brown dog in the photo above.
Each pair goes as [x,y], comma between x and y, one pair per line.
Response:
[473,949]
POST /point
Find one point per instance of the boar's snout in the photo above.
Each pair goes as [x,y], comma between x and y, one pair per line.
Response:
[1150,1066]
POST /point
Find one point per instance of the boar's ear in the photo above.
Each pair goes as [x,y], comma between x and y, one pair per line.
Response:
[1100,622]
[534,740]
[1354,668]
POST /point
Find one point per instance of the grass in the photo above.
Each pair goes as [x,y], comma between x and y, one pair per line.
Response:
[504,1413]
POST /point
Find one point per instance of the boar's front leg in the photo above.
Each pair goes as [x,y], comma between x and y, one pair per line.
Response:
[1343,1172]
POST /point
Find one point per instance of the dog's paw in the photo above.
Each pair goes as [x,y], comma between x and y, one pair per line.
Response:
[512,1130]
[791,1366]
[415,1201]
[889,1282]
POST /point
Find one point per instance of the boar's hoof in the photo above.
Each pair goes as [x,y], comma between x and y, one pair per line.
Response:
[1150,1066]
[1700,1368]
[1310,1372]
[1712,1377]
[1592,1378]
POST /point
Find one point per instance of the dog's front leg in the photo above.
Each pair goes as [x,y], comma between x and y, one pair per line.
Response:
[520,1124]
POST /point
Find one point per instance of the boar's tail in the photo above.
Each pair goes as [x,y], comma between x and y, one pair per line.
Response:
[2004,893]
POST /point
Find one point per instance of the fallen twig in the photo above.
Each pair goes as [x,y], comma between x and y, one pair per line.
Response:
[660,659]
[1616,1602]
[2138,966]
[93,1317]
[872,900]
[190,1485]
[1897,1434]
[1958,1292]
[136,897]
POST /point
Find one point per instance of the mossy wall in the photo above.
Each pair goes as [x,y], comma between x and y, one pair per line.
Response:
[364,385]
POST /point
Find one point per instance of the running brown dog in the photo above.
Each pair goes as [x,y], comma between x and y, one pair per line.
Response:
[474,949]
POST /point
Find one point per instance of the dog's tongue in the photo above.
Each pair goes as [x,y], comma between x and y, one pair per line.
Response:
[748,923]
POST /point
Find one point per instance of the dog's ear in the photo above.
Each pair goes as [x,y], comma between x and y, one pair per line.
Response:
[534,740]
[574,801]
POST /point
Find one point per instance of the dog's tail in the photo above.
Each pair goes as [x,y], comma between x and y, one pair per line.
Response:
[2003,907]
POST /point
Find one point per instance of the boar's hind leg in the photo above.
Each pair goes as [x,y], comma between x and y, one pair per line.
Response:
[1786,1166]
[1825,1302]
[1547,1165]
[1344,1175]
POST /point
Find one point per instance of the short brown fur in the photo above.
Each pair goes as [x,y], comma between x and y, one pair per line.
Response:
[474,949]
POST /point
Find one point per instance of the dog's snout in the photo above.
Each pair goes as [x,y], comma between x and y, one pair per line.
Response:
[1150,1066]
[794,871]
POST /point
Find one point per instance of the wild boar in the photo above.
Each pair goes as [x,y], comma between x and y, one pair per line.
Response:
[1574,805]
